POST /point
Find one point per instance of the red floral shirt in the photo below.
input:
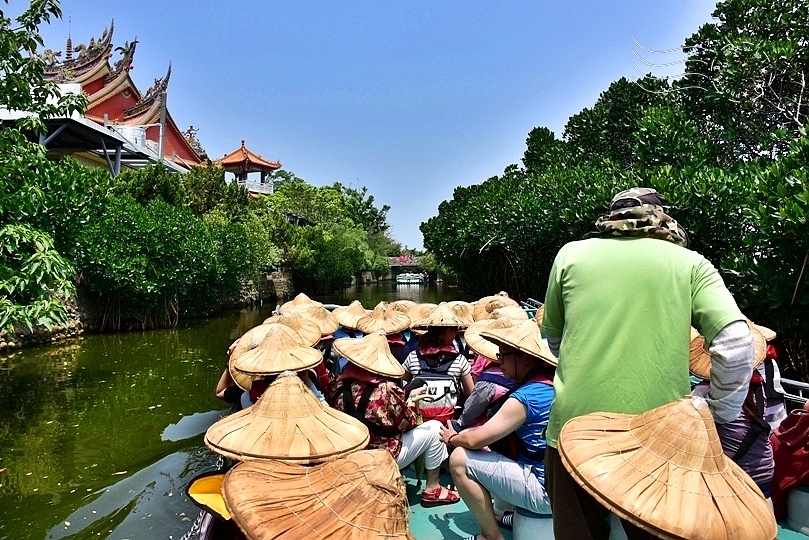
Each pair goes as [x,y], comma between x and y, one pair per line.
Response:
[387,408]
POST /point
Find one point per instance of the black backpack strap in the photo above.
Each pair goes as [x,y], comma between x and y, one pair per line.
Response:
[758,426]
[348,399]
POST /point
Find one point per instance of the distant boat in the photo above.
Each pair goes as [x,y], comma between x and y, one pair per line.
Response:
[415,279]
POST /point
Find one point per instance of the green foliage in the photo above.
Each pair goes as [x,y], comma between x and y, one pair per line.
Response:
[746,75]
[150,182]
[146,261]
[34,279]
[22,75]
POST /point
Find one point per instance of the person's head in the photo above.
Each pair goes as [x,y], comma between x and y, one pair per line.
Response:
[516,363]
[636,196]
[439,335]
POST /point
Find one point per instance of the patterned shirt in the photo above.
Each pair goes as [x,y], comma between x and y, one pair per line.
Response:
[387,407]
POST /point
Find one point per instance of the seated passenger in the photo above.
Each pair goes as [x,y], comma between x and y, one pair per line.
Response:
[519,479]
[746,439]
[437,362]
[369,389]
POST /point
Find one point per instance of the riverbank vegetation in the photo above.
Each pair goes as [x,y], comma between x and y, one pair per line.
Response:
[150,246]
[725,144]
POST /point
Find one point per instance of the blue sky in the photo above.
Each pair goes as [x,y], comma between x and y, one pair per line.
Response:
[410,98]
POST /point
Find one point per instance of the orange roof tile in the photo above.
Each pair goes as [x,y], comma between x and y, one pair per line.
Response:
[244,159]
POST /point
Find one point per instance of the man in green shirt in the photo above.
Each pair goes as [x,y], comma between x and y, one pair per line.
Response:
[618,313]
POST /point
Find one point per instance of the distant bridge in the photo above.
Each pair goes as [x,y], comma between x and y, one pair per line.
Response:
[404,261]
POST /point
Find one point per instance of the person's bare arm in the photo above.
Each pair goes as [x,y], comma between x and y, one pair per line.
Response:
[467,384]
[225,381]
[510,416]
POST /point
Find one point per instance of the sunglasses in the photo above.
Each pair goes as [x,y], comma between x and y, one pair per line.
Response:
[503,356]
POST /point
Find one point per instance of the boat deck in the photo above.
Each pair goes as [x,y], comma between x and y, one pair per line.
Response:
[450,521]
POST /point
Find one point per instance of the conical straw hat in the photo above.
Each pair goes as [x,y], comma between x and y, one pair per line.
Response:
[521,335]
[249,341]
[419,312]
[442,316]
[299,302]
[309,331]
[483,346]
[665,471]
[322,317]
[766,333]
[463,310]
[372,353]
[289,423]
[280,350]
[539,316]
[487,304]
[359,496]
[383,318]
[402,305]
[699,361]
[348,315]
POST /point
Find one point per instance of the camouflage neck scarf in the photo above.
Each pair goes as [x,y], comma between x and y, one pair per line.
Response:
[646,221]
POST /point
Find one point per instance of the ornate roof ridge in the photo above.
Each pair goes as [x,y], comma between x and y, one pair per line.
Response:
[89,56]
[123,64]
[152,95]
[244,156]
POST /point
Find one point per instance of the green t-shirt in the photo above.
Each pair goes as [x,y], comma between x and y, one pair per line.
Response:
[624,307]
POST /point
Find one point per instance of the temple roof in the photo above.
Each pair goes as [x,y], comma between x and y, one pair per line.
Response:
[242,159]
[89,60]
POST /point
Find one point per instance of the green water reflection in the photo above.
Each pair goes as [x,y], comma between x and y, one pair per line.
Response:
[99,436]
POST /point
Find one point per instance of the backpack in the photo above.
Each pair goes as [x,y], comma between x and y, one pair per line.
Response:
[443,389]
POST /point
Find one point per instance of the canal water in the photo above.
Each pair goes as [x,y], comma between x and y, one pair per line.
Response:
[99,436]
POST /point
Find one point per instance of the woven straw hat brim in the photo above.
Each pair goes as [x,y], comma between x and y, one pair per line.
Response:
[309,331]
[419,312]
[280,350]
[322,317]
[359,496]
[539,316]
[384,319]
[402,305]
[521,335]
[463,310]
[487,304]
[441,316]
[299,302]
[699,360]
[348,315]
[372,353]
[515,313]
[288,423]
[766,333]
[665,471]
[249,341]
[479,344]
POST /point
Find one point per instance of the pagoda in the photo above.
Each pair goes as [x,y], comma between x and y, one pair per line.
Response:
[241,162]
[114,100]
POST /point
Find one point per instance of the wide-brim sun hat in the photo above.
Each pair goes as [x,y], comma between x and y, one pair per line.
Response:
[402,305]
[280,350]
[482,346]
[487,304]
[384,318]
[372,353]
[539,316]
[322,317]
[309,331]
[419,312]
[699,360]
[521,335]
[767,333]
[299,302]
[348,315]
[665,471]
[288,423]
[247,342]
[359,496]
[463,310]
[442,316]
